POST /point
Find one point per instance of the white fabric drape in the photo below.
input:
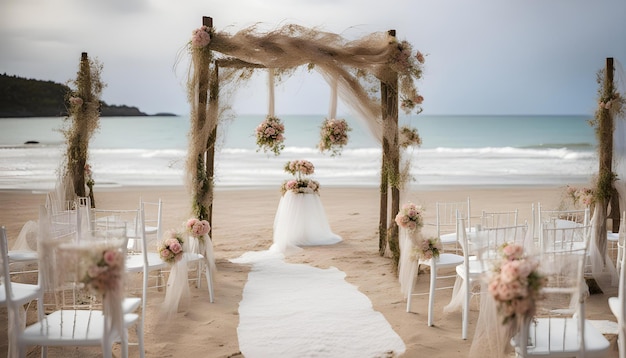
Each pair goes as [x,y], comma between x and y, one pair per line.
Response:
[301,221]
[177,287]
[406,262]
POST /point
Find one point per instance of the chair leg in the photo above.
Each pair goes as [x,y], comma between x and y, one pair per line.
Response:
[410,290]
[431,295]
[125,343]
[209,280]
[139,330]
[466,302]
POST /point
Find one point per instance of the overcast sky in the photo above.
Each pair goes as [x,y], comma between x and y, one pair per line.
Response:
[483,56]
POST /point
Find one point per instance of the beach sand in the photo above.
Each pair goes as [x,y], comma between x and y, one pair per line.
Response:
[242,221]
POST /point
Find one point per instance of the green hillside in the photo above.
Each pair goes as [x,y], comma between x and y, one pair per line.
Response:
[21,97]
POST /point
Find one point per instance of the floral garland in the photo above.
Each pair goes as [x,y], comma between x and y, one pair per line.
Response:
[410,217]
[105,274]
[334,135]
[269,135]
[300,186]
[171,248]
[408,67]
[515,285]
[409,137]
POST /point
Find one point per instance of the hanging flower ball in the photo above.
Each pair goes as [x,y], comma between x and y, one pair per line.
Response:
[334,135]
[269,135]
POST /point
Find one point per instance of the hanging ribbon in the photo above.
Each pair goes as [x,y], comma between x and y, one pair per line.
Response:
[332,112]
[270,90]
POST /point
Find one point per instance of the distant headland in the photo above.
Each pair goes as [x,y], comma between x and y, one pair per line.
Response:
[22,97]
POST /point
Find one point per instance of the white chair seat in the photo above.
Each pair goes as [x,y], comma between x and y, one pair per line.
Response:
[84,324]
[445,260]
[134,263]
[475,269]
[612,236]
[22,256]
[131,304]
[22,293]
[615,306]
[564,338]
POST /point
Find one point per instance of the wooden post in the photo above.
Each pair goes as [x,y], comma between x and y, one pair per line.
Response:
[391,160]
[605,159]
[210,145]
[79,144]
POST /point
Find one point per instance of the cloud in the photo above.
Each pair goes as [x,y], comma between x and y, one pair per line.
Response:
[487,56]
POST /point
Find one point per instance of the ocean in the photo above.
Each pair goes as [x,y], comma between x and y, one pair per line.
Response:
[496,150]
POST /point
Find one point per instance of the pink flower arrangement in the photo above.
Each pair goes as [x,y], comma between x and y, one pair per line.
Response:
[300,167]
[269,135]
[105,274]
[197,228]
[584,196]
[200,37]
[405,64]
[427,249]
[301,186]
[410,217]
[334,135]
[171,248]
[515,285]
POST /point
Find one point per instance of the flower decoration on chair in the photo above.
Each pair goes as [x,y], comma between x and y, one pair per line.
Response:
[104,275]
[515,285]
[581,196]
[171,248]
[427,249]
[269,135]
[334,135]
[198,228]
[410,217]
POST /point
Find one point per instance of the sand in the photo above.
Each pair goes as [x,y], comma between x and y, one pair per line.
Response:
[242,222]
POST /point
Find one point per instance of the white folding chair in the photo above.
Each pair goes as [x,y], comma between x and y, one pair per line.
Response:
[446,222]
[153,212]
[77,319]
[478,247]
[618,304]
[15,294]
[559,327]
[498,218]
[445,261]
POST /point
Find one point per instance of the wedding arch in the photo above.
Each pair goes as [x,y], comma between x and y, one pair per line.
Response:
[220,61]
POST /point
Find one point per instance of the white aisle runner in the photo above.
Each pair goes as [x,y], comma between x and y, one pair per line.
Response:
[296,310]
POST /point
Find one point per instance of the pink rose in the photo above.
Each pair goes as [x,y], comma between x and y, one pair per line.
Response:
[176,248]
[110,257]
[165,253]
[513,251]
